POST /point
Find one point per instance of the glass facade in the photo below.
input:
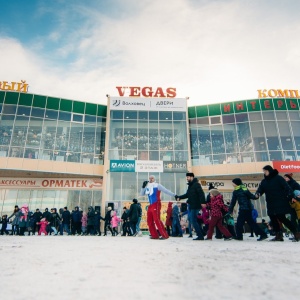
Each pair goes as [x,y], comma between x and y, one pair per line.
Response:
[40,127]
[246,131]
[143,135]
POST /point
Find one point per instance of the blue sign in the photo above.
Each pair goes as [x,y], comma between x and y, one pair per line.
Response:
[122,166]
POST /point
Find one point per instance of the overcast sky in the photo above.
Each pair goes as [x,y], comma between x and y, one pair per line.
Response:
[209,50]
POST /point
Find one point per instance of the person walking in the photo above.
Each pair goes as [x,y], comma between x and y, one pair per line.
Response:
[133,216]
[196,199]
[91,221]
[107,220]
[169,218]
[15,222]
[76,221]
[65,219]
[37,217]
[243,196]
[216,206]
[278,194]
[254,217]
[153,189]
[176,227]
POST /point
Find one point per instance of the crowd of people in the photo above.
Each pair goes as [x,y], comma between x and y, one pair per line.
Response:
[204,214]
[76,222]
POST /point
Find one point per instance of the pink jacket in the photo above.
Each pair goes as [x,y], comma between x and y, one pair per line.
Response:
[84,220]
[114,220]
[204,216]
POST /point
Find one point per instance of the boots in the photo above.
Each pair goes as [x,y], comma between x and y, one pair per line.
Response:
[278,237]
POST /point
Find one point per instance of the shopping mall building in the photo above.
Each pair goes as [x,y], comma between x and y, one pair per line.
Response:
[56,152]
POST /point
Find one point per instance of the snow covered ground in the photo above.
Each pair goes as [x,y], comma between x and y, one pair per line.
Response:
[88,267]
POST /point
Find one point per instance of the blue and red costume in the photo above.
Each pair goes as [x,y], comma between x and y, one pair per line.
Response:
[153,190]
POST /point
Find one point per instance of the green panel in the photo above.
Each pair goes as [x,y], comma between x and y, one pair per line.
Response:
[91,109]
[2,94]
[53,103]
[202,111]
[191,112]
[266,104]
[227,108]
[65,105]
[292,104]
[11,98]
[25,99]
[78,107]
[39,101]
[240,106]
[214,109]
[253,105]
[279,104]
[102,109]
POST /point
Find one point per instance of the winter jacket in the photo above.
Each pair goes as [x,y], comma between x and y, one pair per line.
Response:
[76,216]
[296,207]
[114,220]
[294,185]
[47,215]
[16,219]
[84,220]
[91,216]
[37,216]
[278,193]
[254,214]
[217,206]
[133,213]
[153,190]
[55,220]
[107,217]
[195,194]
[175,211]
[66,217]
[241,195]
[124,216]
[204,217]
[169,215]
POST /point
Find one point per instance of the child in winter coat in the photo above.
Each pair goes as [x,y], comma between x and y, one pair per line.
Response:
[4,222]
[216,206]
[43,225]
[83,223]
[204,219]
[115,220]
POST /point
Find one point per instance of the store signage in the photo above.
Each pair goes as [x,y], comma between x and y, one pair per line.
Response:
[175,166]
[122,166]
[287,166]
[272,93]
[149,166]
[154,104]
[51,183]
[227,184]
[14,86]
[264,104]
[147,91]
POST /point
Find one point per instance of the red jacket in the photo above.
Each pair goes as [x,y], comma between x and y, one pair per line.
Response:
[169,215]
[204,216]
[216,206]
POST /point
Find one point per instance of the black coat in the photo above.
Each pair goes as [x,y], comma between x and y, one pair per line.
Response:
[91,217]
[243,196]
[133,213]
[195,194]
[294,185]
[278,193]
[66,217]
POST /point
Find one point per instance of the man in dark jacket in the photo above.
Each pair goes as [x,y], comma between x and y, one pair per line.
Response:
[126,223]
[196,199]
[76,221]
[278,194]
[65,218]
[91,221]
[133,216]
[107,219]
[37,218]
[242,195]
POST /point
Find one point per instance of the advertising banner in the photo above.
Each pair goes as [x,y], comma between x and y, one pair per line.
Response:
[122,166]
[175,167]
[154,104]
[287,166]
[149,166]
[52,183]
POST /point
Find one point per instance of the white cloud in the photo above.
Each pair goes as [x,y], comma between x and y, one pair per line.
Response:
[209,50]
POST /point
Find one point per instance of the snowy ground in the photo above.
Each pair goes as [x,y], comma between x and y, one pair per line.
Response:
[75,267]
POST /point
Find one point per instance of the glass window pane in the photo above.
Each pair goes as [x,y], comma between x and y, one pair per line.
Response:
[153,115]
[268,115]
[130,115]
[23,111]
[37,112]
[64,116]
[9,109]
[228,119]
[294,115]
[179,115]
[255,116]
[165,115]
[281,115]
[241,118]
[90,119]
[204,120]
[217,139]
[51,114]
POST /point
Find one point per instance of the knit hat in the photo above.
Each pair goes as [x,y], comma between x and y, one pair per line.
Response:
[214,192]
[190,174]
[288,176]
[210,186]
[237,181]
[134,201]
[268,168]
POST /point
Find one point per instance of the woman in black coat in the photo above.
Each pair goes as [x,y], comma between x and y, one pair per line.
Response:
[278,194]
